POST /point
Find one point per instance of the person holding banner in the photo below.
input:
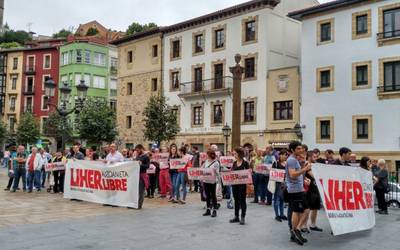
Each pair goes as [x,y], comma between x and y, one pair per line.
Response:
[210,185]
[173,154]
[18,160]
[144,163]
[259,180]
[278,194]
[59,175]
[114,156]
[181,179]
[151,172]
[33,164]
[295,190]
[345,154]
[381,186]
[239,191]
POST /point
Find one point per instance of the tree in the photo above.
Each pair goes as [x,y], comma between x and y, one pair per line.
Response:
[137,27]
[3,132]
[9,45]
[55,127]
[92,31]
[18,36]
[160,121]
[62,34]
[97,122]
[28,129]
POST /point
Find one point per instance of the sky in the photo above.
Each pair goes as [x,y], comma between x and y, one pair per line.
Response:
[46,17]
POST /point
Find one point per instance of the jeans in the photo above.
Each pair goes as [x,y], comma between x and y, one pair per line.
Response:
[5,162]
[19,172]
[174,179]
[261,187]
[44,175]
[278,205]
[34,179]
[181,180]
[269,194]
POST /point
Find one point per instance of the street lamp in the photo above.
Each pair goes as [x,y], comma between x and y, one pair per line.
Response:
[226,131]
[65,92]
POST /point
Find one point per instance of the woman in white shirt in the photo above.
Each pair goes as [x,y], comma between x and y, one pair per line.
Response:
[210,184]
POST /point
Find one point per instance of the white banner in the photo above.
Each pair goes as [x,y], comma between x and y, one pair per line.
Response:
[94,181]
[277,175]
[347,195]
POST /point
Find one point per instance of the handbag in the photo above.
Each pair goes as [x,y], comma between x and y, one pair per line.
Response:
[271,186]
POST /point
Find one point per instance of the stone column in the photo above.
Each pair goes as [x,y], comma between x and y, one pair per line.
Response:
[237,72]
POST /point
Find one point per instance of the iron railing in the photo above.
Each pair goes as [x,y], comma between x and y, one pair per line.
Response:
[388,88]
[30,69]
[208,86]
[389,34]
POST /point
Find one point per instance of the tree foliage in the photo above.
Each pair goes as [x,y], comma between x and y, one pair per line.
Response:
[3,132]
[28,129]
[160,121]
[55,127]
[97,122]
[137,27]
[18,36]
[92,31]
[62,34]
[9,45]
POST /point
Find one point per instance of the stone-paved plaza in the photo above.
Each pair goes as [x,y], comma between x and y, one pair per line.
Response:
[48,221]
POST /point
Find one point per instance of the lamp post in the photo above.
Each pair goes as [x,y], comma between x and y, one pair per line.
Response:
[226,131]
[62,109]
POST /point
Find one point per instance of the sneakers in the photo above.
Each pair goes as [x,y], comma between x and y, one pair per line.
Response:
[294,238]
[214,214]
[305,230]
[6,189]
[262,203]
[385,212]
[277,218]
[242,222]
[13,190]
[317,229]
[283,217]
[299,236]
[207,213]
[181,202]
[234,220]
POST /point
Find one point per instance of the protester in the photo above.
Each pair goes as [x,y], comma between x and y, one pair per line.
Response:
[18,164]
[269,159]
[345,154]
[10,171]
[164,179]
[89,154]
[33,164]
[239,191]
[59,175]
[353,158]
[6,158]
[296,195]
[195,163]
[152,177]
[259,180]
[95,156]
[210,186]
[113,156]
[77,155]
[46,158]
[329,156]
[144,163]
[278,195]
[173,154]
[365,163]
[381,186]
[181,181]
[125,154]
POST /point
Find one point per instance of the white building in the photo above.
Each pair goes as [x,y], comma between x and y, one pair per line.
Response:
[113,76]
[350,66]
[196,61]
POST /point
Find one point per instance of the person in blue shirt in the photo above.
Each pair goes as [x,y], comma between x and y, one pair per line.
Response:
[269,159]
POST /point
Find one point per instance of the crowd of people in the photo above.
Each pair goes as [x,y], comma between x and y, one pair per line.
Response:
[299,190]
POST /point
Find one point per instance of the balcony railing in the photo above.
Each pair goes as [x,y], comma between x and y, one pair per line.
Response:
[216,86]
[30,69]
[29,91]
[388,89]
[389,34]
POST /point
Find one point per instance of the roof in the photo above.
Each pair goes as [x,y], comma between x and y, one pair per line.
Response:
[18,49]
[301,14]
[201,19]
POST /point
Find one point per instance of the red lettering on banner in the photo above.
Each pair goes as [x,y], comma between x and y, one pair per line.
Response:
[340,195]
[112,184]
[97,180]
[123,184]
[117,184]
[72,182]
[90,178]
[358,195]
[349,196]
[369,200]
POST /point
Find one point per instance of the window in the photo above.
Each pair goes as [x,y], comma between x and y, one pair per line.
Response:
[250,31]
[217,114]
[31,63]
[362,75]
[15,63]
[325,79]
[86,78]
[29,104]
[154,83]
[45,100]
[78,79]
[14,82]
[64,58]
[129,121]
[198,41]
[130,56]
[12,120]
[129,88]
[113,105]
[283,110]
[198,115]
[362,24]
[113,87]
[249,68]
[391,23]
[64,79]
[198,79]
[155,50]
[249,111]
[99,82]
[325,130]
[87,56]
[175,111]
[99,59]
[391,76]
[45,78]
[12,103]
[362,128]
[176,49]
[219,38]
[218,76]
[175,80]
[325,32]
[78,56]
[29,84]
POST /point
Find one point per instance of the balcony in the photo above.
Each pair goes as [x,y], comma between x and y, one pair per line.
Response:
[210,87]
[386,37]
[30,69]
[388,91]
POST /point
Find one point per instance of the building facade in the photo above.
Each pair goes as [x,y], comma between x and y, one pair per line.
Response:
[351,77]
[197,82]
[139,77]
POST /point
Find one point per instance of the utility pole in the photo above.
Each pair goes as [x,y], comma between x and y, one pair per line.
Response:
[237,72]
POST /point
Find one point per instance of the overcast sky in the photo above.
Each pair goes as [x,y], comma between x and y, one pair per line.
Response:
[46,17]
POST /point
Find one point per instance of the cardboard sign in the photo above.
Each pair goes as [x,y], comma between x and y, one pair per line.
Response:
[177,163]
[227,161]
[263,168]
[160,157]
[237,177]
[277,175]
[164,165]
[151,169]
[56,166]
[348,197]
[202,174]
[188,157]
[203,156]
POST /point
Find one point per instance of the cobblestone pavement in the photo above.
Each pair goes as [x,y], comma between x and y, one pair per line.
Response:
[47,221]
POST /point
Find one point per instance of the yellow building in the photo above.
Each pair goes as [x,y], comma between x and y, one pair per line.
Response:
[139,77]
[13,80]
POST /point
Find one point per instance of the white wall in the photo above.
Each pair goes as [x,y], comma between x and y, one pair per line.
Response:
[343,102]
